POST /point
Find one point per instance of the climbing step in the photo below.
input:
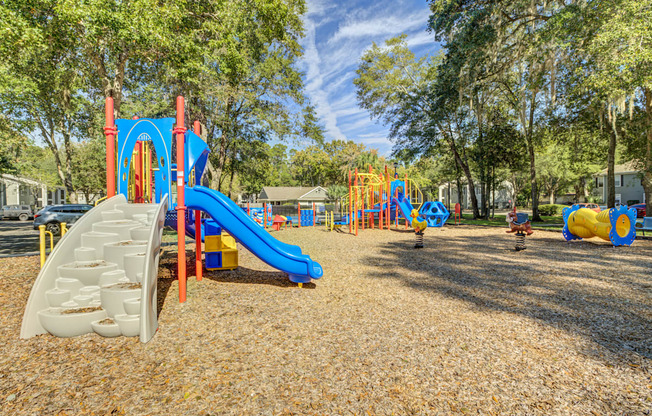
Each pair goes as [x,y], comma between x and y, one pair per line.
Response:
[56,296]
[113,297]
[97,240]
[85,254]
[113,215]
[120,227]
[92,281]
[115,252]
[134,263]
[140,233]
[113,277]
[87,272]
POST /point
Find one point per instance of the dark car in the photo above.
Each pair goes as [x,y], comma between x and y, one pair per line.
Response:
[640,210]
[16,212]
[53,215]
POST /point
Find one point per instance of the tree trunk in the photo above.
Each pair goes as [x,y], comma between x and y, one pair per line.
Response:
[579,188]
[611,162]
[533,170]
[493,191]
[231,182]
[214,182]
[460,191]
[467,172]
[647,173]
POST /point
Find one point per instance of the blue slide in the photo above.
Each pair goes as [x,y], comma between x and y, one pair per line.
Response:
[285,257]
[404,206]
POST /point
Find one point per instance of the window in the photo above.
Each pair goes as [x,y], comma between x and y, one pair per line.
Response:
[619,180]
[598,181]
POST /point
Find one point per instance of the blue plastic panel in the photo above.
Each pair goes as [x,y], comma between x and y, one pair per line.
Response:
[159,133]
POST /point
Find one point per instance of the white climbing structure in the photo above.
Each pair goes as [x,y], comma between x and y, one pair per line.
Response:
[101,276]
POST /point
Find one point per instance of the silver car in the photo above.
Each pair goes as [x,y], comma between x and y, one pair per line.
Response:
[16,212]
[53,215]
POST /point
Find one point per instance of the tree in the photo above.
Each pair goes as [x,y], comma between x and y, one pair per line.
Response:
[618,66]
[11,143]
[499,45]
[40,84]
[89,163]
[240,77]
[113,38]
[401,90]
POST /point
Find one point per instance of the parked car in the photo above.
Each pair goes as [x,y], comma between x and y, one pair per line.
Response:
[594,207]
[53,215]
[640,210]
[17,212]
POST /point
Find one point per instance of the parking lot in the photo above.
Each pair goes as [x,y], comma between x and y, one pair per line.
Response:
[19,238]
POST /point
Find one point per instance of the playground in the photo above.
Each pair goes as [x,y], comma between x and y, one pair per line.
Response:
[465,325]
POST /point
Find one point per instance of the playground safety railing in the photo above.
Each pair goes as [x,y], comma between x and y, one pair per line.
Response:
[414,193]
[42,240]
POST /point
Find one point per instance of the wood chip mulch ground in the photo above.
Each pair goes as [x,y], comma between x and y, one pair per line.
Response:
[464,326]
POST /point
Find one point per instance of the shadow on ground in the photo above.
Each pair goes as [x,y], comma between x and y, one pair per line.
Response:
[168,275]
[17,237]
[596,290]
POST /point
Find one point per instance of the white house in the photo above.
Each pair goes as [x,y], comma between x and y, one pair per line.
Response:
[16,190]
[628,184]
[503,195]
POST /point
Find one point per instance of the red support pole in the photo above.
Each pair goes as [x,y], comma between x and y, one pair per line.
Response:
[314,214]
[150,174]
[350,201]
[388,198]
[406,194]
[181,208]
[299,212]
[362,198]
[380,208]
[138,173]
[110,131]
[248,208]
[265,215]
[198,263]
[355,206]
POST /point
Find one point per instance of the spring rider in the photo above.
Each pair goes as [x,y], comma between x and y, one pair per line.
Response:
[519,223]
[419,227]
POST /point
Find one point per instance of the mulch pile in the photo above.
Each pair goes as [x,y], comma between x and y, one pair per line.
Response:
[465,325]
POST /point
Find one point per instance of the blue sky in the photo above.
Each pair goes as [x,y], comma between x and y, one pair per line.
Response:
[336,35]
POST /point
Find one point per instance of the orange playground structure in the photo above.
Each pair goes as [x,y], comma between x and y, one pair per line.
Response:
[374,197]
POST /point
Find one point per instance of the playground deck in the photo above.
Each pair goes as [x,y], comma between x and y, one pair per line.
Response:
[465,325]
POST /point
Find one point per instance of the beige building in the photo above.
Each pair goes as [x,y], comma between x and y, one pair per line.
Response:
[16,190]
[280,195]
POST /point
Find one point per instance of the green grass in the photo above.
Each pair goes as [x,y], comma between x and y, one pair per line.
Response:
[553,222]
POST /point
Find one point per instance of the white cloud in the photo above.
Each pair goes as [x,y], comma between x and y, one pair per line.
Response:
[314,81]
[381,26]
[332,54]
[421,38]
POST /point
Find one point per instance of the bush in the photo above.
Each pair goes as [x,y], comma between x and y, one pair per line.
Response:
[551,209]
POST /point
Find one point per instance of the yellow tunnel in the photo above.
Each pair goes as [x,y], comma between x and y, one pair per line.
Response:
[616,224]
